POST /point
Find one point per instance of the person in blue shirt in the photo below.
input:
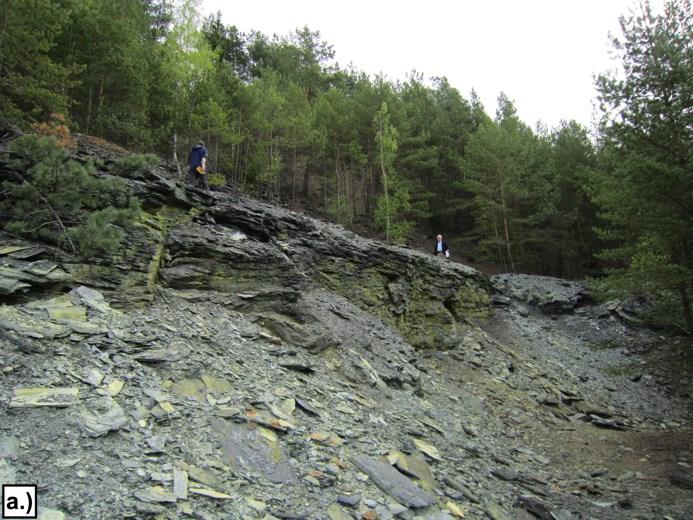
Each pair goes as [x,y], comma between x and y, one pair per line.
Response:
[197,162]
[441,247]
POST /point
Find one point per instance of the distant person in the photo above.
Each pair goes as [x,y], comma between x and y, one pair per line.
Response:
[441,247]
[197,163]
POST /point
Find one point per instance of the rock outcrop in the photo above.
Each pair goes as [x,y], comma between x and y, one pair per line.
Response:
[550,295]
[239,360]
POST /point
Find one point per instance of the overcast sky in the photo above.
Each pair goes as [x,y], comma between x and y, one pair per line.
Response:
[541,53]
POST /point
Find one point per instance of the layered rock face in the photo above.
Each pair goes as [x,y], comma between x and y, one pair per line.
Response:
[239,360]
[189,240]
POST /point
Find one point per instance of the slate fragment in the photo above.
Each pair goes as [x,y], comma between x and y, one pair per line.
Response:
[393,482]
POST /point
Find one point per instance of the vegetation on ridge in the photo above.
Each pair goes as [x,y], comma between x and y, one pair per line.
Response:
[282,119]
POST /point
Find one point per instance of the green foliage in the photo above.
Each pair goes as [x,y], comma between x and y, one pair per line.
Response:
[32,82]
[62,202]
[339,209]
[216,180]
[282,119]
[645,189]
[393,205]
[133,164]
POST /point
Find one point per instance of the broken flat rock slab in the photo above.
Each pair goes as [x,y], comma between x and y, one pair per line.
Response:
[91,298]
[8,475]
[256,449]
[335,512]
[549,294]
[30,326]
[203,476]
[328,438]
[682,480]
[41,272]
[101,416]
[40,396]
[155,494]
[114,387]
[12,285]
[349,500]
[538,507]
[472,497]
[393,482]
[8,250]
[210,493]
[180,483]
[9,447]
[428,449]
[456,510]
[496,512]
[27,253]
[51,514]
[268,420]
[508,475]
[413,466]
[216,385]
[307,407]
[440,515]
[168,354]
[192,388]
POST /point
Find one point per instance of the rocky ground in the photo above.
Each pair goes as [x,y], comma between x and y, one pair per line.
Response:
[243,361]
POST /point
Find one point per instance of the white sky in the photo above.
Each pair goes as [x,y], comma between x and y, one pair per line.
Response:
[541,53]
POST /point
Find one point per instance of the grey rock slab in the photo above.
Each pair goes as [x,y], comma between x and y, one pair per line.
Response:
[682,480]
[349,500]
[91,298]
[335,512]
[51,514]
[508,475]
[155,494]
[101,416]
[180,483]
[256,450]
[496,512]
[41,396]
[440,515]
[536,506]
[548,293]
[472,497]
[9,447]
[11,286]
[306,407]
[8,475]
[393,482]
[396,509]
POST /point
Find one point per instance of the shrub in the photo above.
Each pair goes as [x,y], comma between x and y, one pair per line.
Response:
[133,165]
[62,202]
[217,180]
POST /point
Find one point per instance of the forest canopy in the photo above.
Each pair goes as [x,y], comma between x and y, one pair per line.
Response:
[400,159]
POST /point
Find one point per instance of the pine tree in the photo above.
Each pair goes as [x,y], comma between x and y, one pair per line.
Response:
[61,201]
[646,190]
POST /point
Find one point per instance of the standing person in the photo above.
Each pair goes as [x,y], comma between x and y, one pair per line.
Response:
[197,163]
[441,247]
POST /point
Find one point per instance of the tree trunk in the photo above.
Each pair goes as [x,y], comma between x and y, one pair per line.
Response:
[387,197]
[686,304]
[306,182]
[91,89]
[499,252]
[506,227]
[293,179]
[175,155]
[98,113]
